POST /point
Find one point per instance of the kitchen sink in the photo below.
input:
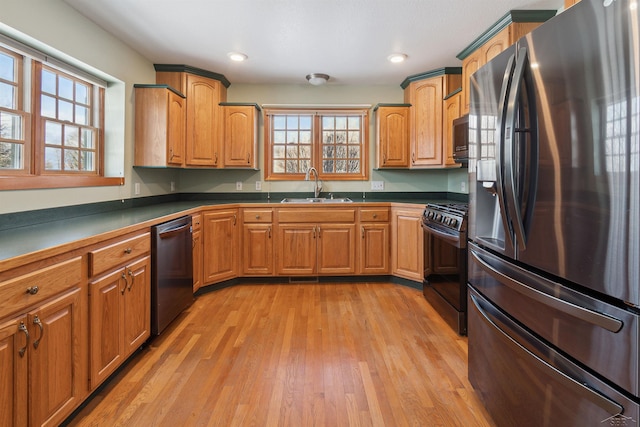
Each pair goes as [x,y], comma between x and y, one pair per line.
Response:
[317,200]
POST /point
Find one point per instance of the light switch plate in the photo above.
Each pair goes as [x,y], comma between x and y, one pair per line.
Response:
[377,185]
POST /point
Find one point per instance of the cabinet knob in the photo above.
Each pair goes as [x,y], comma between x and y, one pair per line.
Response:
[375,216]
[257,216]
[127,251]
[32,290]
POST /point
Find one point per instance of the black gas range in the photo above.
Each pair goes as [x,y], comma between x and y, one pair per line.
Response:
[445,261]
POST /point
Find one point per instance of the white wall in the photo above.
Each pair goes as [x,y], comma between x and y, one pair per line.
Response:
[60,27]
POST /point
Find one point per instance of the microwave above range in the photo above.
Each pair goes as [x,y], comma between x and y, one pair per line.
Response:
[461,139]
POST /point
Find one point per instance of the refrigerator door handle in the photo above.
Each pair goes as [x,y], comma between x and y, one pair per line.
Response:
[582,389]
[593,317]
[509,149]
[499,150]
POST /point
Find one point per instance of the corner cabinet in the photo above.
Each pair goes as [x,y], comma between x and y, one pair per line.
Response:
[221,242]
[204,92]
[407,244]
[392,135]
[159,126]
[505,32]
[425,92]
[240,140]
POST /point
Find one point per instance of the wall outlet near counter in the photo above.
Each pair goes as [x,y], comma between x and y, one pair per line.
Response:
[377,185]
[238,185]
[173,186]
[463,186]
[258,185]
[136,189]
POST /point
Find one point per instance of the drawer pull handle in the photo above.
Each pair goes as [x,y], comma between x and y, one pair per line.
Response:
[127,251]
[362,228]
[23,328]
[36,321]
[32,290]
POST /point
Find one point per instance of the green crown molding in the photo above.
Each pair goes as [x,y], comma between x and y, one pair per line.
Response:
[154,86]
[181,68]
[508,19]
[390,105]
[428,74]
[240,104]
[452,94]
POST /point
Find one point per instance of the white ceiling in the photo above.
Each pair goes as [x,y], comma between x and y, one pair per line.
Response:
[288,39]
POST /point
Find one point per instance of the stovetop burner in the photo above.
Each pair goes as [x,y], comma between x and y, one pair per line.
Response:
[451,216]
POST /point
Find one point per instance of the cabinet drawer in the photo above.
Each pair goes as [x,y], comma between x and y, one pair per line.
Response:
[118,253]
[317,215]
[257,215]
[196,221]
[32,288]
[374,215]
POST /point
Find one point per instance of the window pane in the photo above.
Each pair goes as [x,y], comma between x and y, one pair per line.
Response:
[71,160]
[292,122]
[87,163]
[327,166]
[7,67]
[7,96]
[53,159]
[305,137]
[292,152]
[328,123]
[292,137]
[327,137]
[87,138]
[279,137]
[354,166]
[305,165]
[53,133]
[81,115]
[341,152]
[341,137]
[71,136]
[328,151]
[305,122]
[354,137]
[305,151]
[65,111]
[65,88]
[48,106]
[10,155]
[278,152]
[279,122]
[354,122]
[278,166]
[292,166]
[341,166]
[82,93]
[10,126]
[341,122]
[354,152]
[48,82]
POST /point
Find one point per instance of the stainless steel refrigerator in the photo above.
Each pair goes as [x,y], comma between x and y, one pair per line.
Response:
[554,222]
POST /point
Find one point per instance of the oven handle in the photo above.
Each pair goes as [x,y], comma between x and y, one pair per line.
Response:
[598,319]
[578,386]
[454,240]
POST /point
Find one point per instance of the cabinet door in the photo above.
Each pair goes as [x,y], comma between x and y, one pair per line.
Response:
[392,132]
[407,244]
[258,250]
[106,301]
[451,112]
[203,121]
[240,136]
[221,242]
[13,368]
[495,45]
[296,249]
[55,382]
[426,122]
[197,259]
[176,130]
[136,313]
[336,245]
[374,249]
[470,65]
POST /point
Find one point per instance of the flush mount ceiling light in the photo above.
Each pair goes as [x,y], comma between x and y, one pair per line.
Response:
[237,56]
[317,79]
[397,57]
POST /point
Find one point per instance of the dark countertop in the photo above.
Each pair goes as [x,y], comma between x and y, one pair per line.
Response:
[66,228]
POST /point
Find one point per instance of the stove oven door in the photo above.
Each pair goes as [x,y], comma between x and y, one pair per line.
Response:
[445,276]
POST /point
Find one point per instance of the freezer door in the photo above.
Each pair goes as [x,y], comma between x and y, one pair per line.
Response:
[585,223]
[523,382]
[595,333]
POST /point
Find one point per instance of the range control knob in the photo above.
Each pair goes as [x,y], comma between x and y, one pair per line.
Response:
[454,222]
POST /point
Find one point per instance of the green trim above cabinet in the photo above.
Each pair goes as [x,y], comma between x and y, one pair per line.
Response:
[154,86]
[181,68]
[429,74]
[454,92]
[509,18]
[240,104]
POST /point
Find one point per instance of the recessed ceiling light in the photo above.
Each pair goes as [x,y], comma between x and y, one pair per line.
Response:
[237,56]
[317,79]
[397,57]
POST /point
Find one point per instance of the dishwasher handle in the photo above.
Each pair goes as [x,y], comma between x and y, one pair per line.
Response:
[172,231]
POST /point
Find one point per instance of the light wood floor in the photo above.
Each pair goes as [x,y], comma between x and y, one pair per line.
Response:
[348,354]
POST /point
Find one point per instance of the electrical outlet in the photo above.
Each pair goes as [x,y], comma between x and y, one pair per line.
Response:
[238,185]
[136,188]
[377,185]
[173,186]
[463,186]
[258,185]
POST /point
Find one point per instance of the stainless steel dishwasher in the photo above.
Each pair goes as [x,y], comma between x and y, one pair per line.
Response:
[171,271]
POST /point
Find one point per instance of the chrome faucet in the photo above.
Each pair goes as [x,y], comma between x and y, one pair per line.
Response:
[318,186]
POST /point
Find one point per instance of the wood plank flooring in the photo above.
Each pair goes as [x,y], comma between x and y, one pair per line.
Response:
[346,354]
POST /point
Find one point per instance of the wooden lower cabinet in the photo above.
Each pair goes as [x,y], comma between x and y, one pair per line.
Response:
[407,243]
[336,246]
[257,242]
[220,245]
[197,251]
[374,251]
[119,307]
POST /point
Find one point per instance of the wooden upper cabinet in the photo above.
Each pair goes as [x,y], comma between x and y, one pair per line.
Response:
[204,92]
[392,136]
[240,140]
[452,110]
[159,126]
[505,32]
[569,3]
